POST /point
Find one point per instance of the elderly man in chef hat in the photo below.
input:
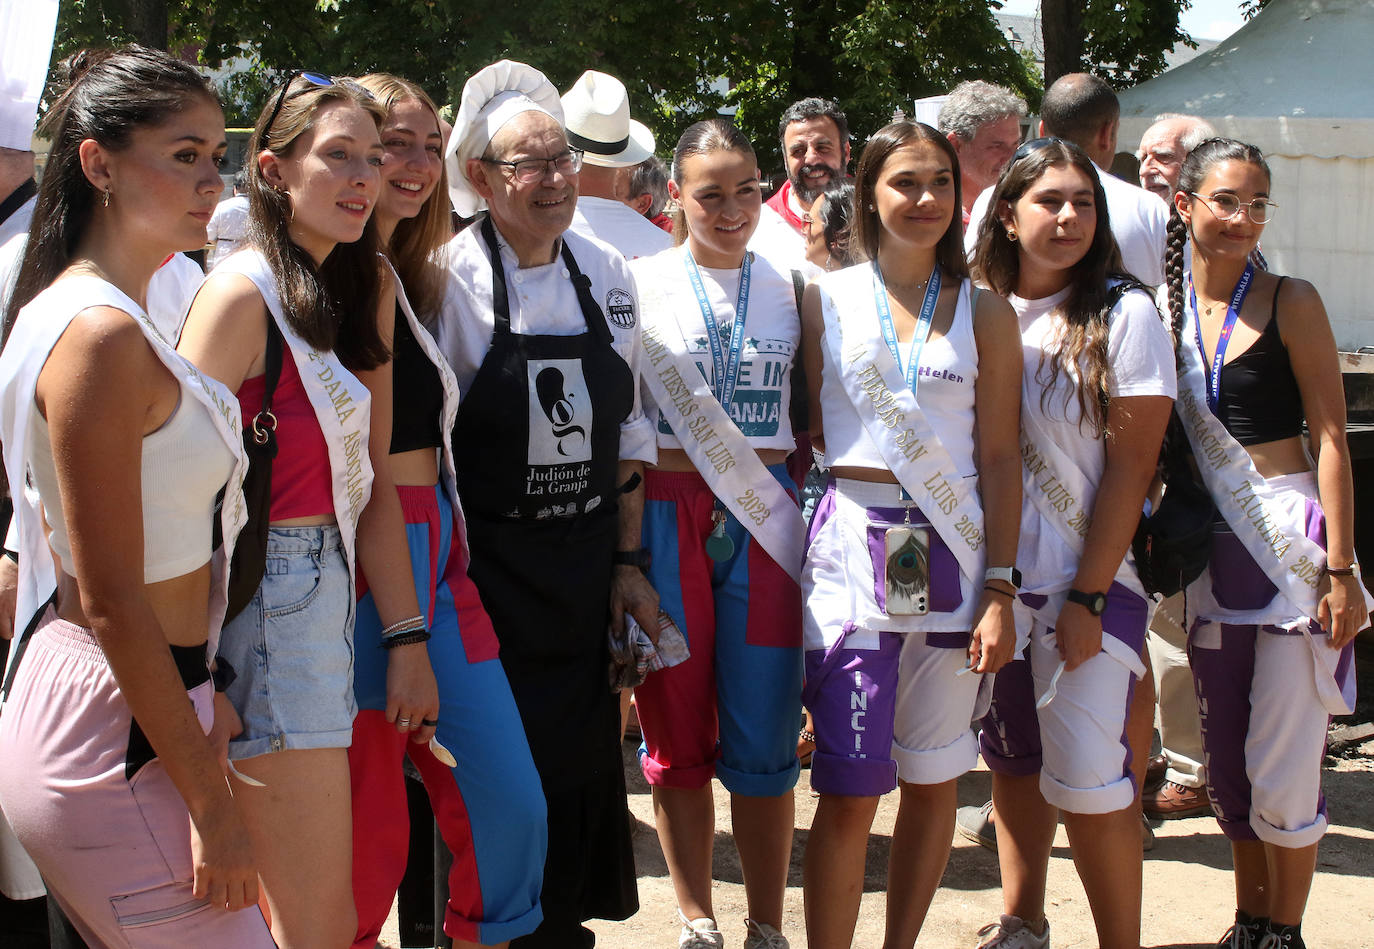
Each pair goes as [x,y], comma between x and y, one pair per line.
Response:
[541,326]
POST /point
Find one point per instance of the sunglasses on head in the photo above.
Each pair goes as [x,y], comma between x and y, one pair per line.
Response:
[316,79]
[1034,145]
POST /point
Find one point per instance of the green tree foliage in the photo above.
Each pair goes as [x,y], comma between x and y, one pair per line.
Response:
[1124,41]
[870,55]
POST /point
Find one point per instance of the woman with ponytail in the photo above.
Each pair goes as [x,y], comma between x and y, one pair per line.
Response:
[107,771]
[1096,393]
[1277,610]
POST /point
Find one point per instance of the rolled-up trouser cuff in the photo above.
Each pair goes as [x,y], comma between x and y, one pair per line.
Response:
[1102,800]
[689,778]
[838,774]
[490,932]
[749,784]
[1184,778]
[1299,837]
[936,765]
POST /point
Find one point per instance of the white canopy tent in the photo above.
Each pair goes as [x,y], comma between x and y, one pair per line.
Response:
[1296,82]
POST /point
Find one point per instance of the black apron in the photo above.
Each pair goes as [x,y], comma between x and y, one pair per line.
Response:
[536,447]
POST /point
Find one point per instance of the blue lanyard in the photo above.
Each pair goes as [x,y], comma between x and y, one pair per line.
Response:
[923,321]
[1228,327]
[726,373]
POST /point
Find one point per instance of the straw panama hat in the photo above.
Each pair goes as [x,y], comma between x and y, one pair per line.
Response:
[596,115]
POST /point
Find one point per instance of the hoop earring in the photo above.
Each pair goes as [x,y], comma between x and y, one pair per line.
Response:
[107,197]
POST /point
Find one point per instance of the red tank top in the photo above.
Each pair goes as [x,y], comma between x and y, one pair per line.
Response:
[302,483]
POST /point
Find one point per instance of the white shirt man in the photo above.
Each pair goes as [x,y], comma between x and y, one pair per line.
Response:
[1082,109]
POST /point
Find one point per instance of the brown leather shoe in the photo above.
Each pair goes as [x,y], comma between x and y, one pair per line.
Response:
[1175,800]
[1154,772]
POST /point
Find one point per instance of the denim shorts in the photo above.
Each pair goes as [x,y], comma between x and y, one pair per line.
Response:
[292,648]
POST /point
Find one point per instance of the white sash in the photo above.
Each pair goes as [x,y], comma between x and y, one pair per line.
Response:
[893,418]
[342,404]
[449,381]
[1291,561]
[718,449]
[35,332]
[1060,491]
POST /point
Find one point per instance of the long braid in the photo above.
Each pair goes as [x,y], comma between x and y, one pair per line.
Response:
[1173,277]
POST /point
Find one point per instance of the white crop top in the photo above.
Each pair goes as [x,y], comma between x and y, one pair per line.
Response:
[944,382]
[762,401]
[185,463]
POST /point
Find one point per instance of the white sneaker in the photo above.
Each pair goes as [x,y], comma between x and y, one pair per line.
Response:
[699,933]
[1011,932]
[762,936]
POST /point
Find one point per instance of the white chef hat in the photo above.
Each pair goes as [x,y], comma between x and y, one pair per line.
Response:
[491,98]
[26,35]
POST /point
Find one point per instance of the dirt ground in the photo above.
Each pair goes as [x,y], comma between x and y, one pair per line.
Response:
[1188,895]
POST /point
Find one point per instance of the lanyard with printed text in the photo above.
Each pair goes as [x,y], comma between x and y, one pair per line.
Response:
[923,322]
[1228,327]
[726,372]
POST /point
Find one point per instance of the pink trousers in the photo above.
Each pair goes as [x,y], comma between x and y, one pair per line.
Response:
[96,811]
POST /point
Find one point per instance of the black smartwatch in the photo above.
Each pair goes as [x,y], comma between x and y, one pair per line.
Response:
[1095,603]
[640,558]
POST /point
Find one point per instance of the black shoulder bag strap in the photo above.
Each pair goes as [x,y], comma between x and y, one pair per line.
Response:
[261,429]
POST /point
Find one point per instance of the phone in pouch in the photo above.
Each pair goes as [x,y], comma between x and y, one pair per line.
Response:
[906,570]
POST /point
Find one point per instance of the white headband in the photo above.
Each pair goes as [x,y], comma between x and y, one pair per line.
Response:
[491,98]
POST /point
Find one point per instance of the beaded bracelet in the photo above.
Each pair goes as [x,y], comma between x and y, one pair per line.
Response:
[404,626]
[408,638]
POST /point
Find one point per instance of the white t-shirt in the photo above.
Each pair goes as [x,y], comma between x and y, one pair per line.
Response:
[1141,358]
[18,222]
[761,404]
[170,292]
[1140,224]
[228,229]
[781,244]
[543,301]
[618,225]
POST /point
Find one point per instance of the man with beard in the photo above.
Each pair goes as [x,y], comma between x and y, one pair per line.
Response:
[815,145]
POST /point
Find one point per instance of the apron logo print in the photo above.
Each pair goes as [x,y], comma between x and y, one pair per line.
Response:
[557,405]
[620,308]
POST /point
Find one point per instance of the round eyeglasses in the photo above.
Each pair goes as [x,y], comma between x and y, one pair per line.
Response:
[1225,206]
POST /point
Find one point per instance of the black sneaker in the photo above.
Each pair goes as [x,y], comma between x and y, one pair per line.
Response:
[1284,937]
[1247,932]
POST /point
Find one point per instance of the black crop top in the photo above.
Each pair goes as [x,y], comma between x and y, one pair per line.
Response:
[417,394]
[1259,400]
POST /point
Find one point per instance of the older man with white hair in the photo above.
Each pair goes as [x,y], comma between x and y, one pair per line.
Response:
[541,326]
[1164,146]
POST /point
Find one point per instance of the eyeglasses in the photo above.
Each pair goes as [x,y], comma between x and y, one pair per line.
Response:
[1225,206]
[314,78]
[529,170]
[1034,145]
